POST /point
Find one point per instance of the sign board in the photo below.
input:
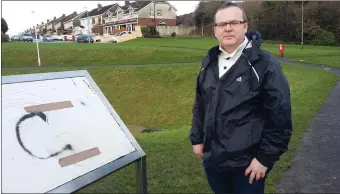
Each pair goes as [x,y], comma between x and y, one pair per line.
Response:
[60,133]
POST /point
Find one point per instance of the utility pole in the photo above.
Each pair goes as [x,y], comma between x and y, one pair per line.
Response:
[88,23]
[301,24]
[36,41]
[202,26]
[154,14]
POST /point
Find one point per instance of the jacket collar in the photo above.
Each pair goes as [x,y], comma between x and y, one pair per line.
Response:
[246,43]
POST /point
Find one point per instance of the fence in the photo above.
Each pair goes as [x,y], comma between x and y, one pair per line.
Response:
[182,30]
[179,30]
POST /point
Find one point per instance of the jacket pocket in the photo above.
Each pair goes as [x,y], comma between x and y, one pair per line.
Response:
[236,135]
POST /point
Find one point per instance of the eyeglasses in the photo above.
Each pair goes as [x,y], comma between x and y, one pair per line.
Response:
[232,24]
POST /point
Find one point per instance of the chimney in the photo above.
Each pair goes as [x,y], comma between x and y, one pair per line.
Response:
[99,5]
[48,20]
[63,15]
[54,17]
[42,23]
[127,3]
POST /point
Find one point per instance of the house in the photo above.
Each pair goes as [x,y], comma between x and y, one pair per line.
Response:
[148,13]
[51,26]
[93,21]
[43,27]
[72,25]
[59,26]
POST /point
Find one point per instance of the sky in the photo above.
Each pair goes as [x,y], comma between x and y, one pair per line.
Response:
[19,16]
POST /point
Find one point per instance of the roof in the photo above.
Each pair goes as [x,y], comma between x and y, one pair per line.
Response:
[137,5]
[71,18]
[99,11]
[55,21]
[72,15]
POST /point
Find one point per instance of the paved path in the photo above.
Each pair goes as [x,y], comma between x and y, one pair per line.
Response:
[316,166]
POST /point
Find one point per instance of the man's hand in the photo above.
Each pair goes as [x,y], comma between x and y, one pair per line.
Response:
[198,150]
[256,169]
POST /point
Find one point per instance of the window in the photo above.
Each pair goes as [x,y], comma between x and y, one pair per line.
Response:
[159,12]
[120,14]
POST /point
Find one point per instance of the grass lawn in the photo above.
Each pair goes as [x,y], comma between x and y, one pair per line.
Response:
[171,165]
[291,50]
[17,54]
[140,51]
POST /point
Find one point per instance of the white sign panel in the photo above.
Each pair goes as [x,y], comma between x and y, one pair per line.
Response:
[54,131]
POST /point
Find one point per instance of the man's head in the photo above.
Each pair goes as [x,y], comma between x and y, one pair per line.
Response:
[230,25]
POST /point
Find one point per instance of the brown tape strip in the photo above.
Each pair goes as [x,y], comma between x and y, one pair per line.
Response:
[49,106]
[78,157]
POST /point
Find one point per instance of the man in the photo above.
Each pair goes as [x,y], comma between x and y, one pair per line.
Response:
[242,112]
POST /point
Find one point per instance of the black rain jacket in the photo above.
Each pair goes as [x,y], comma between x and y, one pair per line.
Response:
[246,113]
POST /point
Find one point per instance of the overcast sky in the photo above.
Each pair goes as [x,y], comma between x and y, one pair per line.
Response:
[19,17]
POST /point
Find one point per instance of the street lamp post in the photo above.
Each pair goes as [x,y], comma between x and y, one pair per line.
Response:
[36,40]
[301,24]
[88,22]
[154,14]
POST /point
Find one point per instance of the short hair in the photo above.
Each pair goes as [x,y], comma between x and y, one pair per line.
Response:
[230,4]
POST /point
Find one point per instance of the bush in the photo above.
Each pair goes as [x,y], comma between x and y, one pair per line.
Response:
[173,34]
[4,37]
[325,38]
[150,32]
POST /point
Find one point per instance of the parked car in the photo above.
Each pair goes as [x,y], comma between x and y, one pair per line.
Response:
[15,38]
[26,38]
[114,38]
[84,38]
[48,38]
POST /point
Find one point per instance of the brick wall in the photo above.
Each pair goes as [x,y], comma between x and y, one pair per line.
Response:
[150,22]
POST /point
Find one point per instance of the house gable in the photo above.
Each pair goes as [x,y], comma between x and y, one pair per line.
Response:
[75,17]
[119,9]
[99,11]
[151,4]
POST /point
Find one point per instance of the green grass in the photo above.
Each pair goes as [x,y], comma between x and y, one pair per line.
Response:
[171,165]
[139,51]
[329,61]
[291,50]
[15,54]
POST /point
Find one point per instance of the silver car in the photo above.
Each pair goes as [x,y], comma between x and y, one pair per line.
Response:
[26,38]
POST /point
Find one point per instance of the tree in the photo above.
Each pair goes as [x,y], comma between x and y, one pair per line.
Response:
[4,26]
[281,20]
[205,13]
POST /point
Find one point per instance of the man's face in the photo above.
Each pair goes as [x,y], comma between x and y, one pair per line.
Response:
[231,34]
